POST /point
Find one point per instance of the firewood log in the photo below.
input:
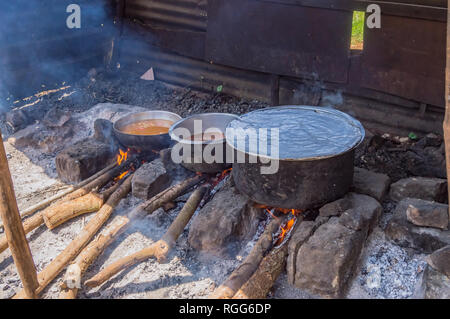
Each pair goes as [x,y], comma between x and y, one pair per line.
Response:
[74,248]
[158,250]
[72,279]
[28,225]
[241,274]
[31,210]
[66,194]
[99,182]
[37,220]
[56,215]
[260,283]
[122,223]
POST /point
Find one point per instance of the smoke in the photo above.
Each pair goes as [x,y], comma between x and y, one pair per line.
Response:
[38,51]
[332,98]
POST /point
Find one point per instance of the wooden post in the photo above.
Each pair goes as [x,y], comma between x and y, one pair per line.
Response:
[14,231]
[447,100]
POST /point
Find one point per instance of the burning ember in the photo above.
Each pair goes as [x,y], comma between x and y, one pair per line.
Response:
[121,176]
[286,227]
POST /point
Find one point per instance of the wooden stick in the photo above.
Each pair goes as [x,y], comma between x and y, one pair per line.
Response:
[74,248]
[31,210]
[37,220]
[160,249]
[28,225]
[260,283]
[56,215]
[74,273]
[168,195]
[241,274]
[14,231]
[99,182]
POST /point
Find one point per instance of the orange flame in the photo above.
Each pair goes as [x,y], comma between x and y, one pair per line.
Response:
[122,157]
[286,227]
[118,178]
[226,172]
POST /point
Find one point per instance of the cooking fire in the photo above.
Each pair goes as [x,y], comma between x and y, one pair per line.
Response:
[268,228]
[187,150]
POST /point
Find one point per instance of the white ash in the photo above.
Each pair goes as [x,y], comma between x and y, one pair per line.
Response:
[388,271]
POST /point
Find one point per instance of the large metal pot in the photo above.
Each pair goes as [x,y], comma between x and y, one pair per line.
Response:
[315,160]
[193,159]
[144,142]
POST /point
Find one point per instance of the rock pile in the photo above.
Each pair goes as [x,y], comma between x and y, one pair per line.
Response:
[323,254]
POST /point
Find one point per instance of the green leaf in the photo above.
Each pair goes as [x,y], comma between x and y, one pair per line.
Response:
[219,88]
[412,136]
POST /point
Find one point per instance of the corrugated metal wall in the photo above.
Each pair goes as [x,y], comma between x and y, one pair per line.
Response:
[254,48]
[181,14]
[242,44]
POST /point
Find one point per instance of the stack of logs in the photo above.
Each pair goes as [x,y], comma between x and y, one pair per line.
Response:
[252,279]
[82,199]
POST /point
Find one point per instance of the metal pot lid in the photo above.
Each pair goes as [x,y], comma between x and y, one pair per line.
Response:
[305,132]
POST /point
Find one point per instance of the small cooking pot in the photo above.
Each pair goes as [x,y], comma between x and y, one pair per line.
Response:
[193,158]
[144,142]
[315,156]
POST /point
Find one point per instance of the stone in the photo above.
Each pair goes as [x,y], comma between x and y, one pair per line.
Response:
[440,260]
[364,209]
[431,139]
[104,132]
[17,119]
[301,235]
[435,284]
[369,183]
[335,208]
[405,234]
[425,213]
[83,159]
[353,219]
[150,179]
[427,188]
[41,137]
[56,117]
[176,171]
[227,220]
[429,161]
[326,262]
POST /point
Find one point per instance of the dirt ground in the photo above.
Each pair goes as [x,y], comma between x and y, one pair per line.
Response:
[188,274]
